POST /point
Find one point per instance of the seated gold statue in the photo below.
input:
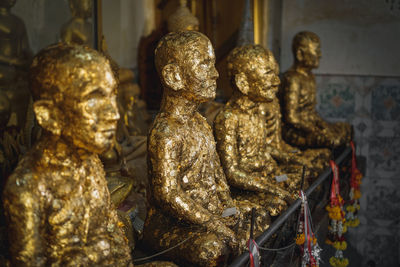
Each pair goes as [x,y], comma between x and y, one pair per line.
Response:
[79,30]
[56,202]
[245,133]
[15,57]
[190,192]
[303,126]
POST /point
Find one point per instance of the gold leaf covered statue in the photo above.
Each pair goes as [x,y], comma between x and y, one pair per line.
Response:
[79,29]
[191,197]
[182,19]
[56,202]
[246,131]
[15,57]
[303,126]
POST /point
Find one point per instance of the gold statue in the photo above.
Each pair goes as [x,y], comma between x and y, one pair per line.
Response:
[79,29]
[303,126]
[190,194]
[182,19]
[15,57]
[245,133]
[56,202]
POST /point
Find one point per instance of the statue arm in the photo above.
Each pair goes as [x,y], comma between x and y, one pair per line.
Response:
[165,159]
[226,136]
[23,214]
[292,86]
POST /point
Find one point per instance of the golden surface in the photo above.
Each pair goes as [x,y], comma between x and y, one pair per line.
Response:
[190,191]
[56,202]
[15,57]
[79,30]
[302,124]
[182,19]
[247,132]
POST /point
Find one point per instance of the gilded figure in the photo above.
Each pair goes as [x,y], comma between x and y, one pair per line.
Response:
[56,202]
[303,126]
[246,132]
[190,195]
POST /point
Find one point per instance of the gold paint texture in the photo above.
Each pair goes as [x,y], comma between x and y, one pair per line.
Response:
[302,124]
[247,134]
[56,202]
[190,191]
[182,19]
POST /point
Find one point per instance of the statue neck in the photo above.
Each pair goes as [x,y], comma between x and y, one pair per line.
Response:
[243,100]
[178,105]
[298,67]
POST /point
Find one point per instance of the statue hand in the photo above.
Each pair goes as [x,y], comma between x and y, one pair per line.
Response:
[217,226]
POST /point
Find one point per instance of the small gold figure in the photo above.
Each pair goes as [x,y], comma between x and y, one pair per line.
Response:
[303,126]
[79,29]
[190,192]
[15,57]
[56,202]
[182,19]
[245,133]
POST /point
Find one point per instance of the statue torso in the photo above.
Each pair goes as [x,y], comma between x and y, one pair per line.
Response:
[195,152]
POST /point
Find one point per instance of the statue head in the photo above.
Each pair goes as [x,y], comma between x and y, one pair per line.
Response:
[306,49]
[5,110]
[74,92]
[253,71]
[182,19]
[7,3]
[185,62]
[81,8]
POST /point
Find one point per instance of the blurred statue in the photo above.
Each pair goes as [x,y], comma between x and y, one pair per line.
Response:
[15,57]
[56,202]
[182,19]
[79,29]
[191,197]
[245,133]
[303,126]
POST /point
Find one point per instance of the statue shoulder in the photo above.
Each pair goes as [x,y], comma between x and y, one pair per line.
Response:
[164,129]
[292,75]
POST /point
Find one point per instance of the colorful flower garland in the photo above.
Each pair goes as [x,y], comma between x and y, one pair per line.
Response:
[309,246]
[355,193]
[337,221]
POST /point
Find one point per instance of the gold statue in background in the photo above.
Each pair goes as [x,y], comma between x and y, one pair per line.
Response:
[190,192]
[79,29]
[182,19]
[15,57]
[303,126]
[56,202]
[245,133]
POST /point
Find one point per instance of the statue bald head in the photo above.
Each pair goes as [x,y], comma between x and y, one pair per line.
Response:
[75,95]
[246,58]
[253,71]
[185,62]
[306,49]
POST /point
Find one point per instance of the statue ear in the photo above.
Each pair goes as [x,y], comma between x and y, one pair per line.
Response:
[242,83]
[48,116]
[299,55]
[172,77]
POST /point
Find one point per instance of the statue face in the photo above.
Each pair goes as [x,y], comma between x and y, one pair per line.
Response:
[92,111]
[263,80]
[200,74]
[311,54]
[81,8]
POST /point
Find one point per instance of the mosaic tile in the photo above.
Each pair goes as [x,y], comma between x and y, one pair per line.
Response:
[386,101]
[335,98]
[384,156]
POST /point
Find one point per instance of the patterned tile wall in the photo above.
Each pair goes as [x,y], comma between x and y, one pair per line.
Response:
[372,105]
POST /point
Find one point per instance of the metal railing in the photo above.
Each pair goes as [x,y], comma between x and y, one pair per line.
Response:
[243,259]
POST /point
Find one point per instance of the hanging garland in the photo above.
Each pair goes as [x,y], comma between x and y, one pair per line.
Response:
[355,193]
[306,238]
[337,221]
